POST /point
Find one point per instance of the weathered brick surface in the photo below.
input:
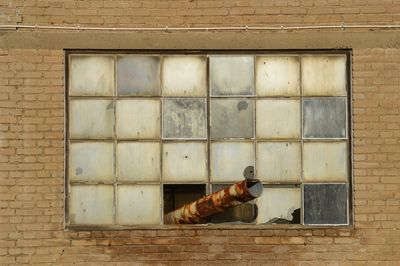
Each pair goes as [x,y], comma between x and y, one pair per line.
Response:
[32,145]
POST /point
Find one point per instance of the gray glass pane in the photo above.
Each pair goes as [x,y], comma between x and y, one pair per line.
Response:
[325,204]
[138,204]
[232,118]
[91,75]
[138,75]
[184,118]
[91,204]
[279,205]
[324,118]
[91,119]
[232,75]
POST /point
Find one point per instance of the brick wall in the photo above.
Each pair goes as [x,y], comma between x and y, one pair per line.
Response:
[32,140]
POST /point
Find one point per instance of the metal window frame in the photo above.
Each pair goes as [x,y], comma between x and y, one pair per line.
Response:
[115,53]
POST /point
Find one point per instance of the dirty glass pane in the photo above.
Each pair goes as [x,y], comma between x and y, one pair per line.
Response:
[278,118]
[325,204]
[279,205]
[324,75]
[231,75]
[91,204]
[184,76]
[138,75]
[138,118]
[138,204]
[325,161]
[91,161]
[229,159]
[184,161]
[184,118]
[91,119]
[278,76]
[278,161]
[91,75]
[324,118]
[232,118]
[241,214]
[139,161]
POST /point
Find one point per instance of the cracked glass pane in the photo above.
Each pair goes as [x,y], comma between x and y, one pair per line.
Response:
[278,161]
[91,161]
[278,76]
[278,118]
[91,75]
[91,204]
[138,204]
[325,204]
[324,75]
[279,205]
[139,161]
[325,161]
[229,159]
[138,119]
[231,75]
[184,76]
[324,118]
[184,161]
[91,119]
[232,118]
[184,118]
[138,75]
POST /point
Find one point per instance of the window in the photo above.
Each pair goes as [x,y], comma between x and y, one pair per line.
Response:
[147,133]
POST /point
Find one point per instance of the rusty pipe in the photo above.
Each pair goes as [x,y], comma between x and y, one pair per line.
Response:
[197,211]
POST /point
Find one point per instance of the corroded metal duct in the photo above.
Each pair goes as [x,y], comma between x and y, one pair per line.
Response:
[199,210]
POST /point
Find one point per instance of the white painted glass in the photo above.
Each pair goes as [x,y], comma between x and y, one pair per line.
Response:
[91,75]
[139,161]
[138,119]
[91,204]
[138,204]
[278,76]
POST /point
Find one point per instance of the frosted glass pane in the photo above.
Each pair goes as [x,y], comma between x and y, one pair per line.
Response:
[232,118]
[91,161]
[139,161]
[278,203]
[184,162]
[324,75]
[184,76]
[325,204]
[184,118]
[91,75]
[278,161]
[91,119]
[229,159]
[91,204]
[278,76]
[138,75]
[138,204]
[138,118]
[324,118]
[232,75]
[278,118]
[325,161]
